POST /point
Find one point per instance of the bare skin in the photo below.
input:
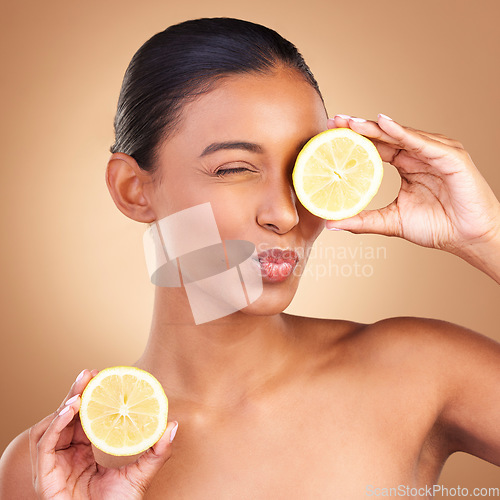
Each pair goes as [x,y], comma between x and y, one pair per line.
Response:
[271,405]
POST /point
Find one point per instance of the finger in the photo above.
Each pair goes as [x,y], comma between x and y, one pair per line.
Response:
[432,135]
[369,129]
[77,387]
[439,137]
[142,471]
[37,431]
[422,146]
[386,145]
[387,152]
[338,120]
[385,221]
[372,130]
[47,446]
[77,435]
[404,162]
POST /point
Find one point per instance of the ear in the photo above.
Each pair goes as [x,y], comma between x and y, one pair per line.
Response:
[130,187]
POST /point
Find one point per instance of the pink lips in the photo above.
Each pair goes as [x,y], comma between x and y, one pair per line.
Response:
[277,264]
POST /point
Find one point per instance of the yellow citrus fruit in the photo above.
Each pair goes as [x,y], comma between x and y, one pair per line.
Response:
[337,173]
[123,410]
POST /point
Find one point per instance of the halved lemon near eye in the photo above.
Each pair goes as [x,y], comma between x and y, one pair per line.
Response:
[124,410]
[337,173]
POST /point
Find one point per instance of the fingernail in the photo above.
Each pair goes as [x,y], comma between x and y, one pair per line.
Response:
[358,120]
[385,116]
[64,410]
[80,376]
[174,431]
[345,117]
[72,400]
[334,229]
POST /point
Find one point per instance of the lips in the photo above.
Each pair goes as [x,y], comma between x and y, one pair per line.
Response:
[277,264]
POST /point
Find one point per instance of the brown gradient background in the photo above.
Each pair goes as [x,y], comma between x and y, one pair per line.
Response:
[75,291]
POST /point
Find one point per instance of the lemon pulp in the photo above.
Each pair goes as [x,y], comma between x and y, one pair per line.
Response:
[124,410]
[337,173]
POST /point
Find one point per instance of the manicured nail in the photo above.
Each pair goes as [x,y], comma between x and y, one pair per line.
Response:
[72,400]
[345,117]
[385,116]
[173,431]
[80,375]
[334,229]
[358,120]
[64,410]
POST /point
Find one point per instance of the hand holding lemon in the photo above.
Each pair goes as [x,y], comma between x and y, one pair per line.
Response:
[61,451]
[444,202]
[337,173]
[124,410]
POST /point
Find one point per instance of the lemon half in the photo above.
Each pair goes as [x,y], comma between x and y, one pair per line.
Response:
[123,410]
[337,173]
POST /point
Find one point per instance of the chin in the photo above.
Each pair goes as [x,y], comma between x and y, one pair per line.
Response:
[265,309]
[275,298]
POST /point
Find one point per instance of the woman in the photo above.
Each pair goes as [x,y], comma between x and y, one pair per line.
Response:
[272,405]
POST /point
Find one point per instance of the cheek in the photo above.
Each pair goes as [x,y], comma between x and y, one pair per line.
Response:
[311,226]
[234,213]
[173,196]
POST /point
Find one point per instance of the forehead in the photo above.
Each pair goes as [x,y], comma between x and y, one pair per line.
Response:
[252,107]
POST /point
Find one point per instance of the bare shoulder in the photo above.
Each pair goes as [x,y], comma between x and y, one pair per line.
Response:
[398,338]
[441,378]
[463,369]
[15,470]
[430,339]
[446,357]
[455,371]
[446,350]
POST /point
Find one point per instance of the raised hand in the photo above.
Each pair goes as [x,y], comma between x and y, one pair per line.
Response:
[64,466]
[444,202]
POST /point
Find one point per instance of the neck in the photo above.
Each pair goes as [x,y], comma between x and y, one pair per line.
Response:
[215,364]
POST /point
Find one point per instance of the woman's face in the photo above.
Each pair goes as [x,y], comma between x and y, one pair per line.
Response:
[236,147]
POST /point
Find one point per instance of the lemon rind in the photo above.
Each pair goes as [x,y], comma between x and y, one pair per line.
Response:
[125,450]
[309,149]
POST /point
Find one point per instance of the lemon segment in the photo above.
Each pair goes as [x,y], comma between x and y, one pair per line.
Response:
[337,173]
[124,410]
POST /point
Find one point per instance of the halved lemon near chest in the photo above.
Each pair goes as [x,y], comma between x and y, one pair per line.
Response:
[337,173]
[124,410]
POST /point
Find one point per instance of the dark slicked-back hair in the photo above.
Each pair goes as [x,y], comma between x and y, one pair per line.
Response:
[184,61]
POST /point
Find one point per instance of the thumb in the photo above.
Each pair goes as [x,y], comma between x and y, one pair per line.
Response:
[385,221]
[143,470]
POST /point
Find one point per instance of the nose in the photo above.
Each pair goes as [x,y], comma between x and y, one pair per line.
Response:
[277,210]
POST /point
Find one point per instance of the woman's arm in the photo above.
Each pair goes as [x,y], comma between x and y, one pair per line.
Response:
[485,256]
[444,202]
[458,366]
[62,463]
[471,414]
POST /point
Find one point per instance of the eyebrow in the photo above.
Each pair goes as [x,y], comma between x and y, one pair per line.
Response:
[246,146]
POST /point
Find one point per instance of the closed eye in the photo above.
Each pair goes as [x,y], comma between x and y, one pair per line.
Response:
[226,171]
